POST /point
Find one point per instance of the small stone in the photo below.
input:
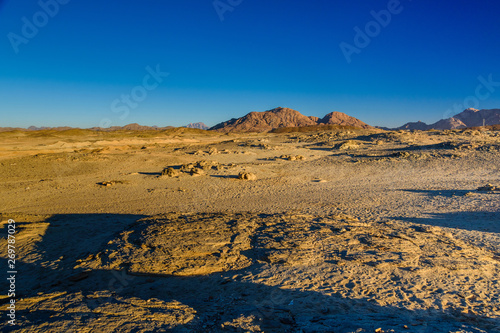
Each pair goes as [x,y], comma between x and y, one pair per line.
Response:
[169,172]
[197,172]
[488,188]
[247,176]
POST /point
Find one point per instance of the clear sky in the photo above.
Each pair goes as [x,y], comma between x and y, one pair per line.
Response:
[91,63]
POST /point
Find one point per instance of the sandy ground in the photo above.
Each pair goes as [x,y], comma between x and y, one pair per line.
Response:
[342,231]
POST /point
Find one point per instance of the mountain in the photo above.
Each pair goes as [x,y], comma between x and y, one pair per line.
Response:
[419,125]
[449,123]
[473,117]
[339,118]
[265,121]
[200,125]
[467,118]
[284,117]
[130,127]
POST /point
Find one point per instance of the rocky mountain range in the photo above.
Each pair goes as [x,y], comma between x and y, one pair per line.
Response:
[284,117]
[467,118]
[281,118]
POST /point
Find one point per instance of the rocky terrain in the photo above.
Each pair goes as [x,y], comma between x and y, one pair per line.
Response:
[184,230]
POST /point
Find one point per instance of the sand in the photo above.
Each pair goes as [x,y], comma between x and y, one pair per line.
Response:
[335,231]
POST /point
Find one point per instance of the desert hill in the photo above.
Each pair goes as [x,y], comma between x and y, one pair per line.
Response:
[467,118]
[339,118]
[284,117]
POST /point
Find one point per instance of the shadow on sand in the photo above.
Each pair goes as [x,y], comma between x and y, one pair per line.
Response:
[217,298]
[471,221]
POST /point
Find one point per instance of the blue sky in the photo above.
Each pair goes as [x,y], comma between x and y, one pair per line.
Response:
[230,57]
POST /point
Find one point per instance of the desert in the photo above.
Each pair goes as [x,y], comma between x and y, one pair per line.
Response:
[231,166]
[335,230]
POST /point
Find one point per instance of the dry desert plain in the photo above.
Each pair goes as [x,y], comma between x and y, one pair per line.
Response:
[341,231]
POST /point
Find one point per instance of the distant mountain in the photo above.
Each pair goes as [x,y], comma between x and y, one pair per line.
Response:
[473,117]
[34,128]
[129,127]
[419,125]
[467,118]
[284,117]
[199,125]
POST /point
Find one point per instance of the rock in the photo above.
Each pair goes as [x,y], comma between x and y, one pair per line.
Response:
[187,167]
[206,165]
[247,176]
[292,157]
[488,188]
[197,172]
[169,172]
[401,154]
[349,144]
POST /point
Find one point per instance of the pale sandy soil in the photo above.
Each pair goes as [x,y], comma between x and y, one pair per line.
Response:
[363,232]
